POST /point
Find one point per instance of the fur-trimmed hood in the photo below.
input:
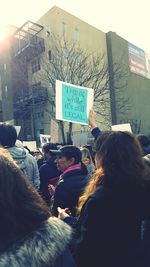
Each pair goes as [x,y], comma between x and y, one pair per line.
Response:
[41,248]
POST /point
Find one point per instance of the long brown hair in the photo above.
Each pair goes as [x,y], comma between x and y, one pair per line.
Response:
[91,187]
[122,165]
[21,207]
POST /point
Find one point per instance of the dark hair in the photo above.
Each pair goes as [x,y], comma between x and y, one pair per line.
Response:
[8,135]
[70,151]
[21,207]
[48,146]
[143,140]
[122,165]
[121,156]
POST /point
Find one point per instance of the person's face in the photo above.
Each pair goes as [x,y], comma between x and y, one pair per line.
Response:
[46,155]
[63,163]
[97,161]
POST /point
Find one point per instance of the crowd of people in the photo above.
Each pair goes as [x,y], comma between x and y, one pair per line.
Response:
[67,206]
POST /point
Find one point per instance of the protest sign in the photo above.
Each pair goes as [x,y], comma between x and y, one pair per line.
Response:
[18,128]
[73,102]
[30,144]
[122,127]
[45,138]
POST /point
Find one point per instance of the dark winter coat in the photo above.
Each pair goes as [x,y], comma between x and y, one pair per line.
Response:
[48,171]
[69,188]
[45,247]
[109,229]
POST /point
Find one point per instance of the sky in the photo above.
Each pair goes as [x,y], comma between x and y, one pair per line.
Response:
[128,18]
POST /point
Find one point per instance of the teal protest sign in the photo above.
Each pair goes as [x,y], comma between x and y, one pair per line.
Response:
[73,102]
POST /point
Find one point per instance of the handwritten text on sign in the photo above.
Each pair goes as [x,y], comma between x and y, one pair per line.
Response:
[74,103]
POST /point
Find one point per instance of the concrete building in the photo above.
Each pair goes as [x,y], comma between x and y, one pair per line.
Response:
[30,50]
[135,64]
[26,84]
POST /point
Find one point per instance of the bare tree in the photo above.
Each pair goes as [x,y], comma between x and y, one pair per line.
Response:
[68,62]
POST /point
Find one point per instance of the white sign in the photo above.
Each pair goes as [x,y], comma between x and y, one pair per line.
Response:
[18,128]
[45,138]
[122,127]
[54,132]
[73,102]
[30,144]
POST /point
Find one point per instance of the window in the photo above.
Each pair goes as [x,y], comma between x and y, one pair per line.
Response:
[63,28]
[35,64]
[5,66]
[76,35]
[49,55]
[39,114]
[48,31]
[6,91]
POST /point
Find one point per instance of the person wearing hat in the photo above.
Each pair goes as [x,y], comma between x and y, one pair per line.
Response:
[48,170]
[72,181]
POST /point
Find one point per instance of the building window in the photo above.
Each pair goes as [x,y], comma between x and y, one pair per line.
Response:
[35,64]
[39,114]
[6,91]
[48,31]
[49,55]
[76,35]
[5,66]
[63,29]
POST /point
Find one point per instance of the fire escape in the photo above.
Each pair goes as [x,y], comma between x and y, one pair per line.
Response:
[27,45]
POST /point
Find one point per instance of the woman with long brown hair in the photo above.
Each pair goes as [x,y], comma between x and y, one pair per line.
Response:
[29,236]
[113,204]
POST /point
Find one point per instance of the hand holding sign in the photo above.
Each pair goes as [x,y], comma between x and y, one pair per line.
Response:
[92,121]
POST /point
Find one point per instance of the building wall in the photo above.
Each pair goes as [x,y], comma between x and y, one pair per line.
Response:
[87,37]
[137,90]
[55,21]
[90,38]
[5,81]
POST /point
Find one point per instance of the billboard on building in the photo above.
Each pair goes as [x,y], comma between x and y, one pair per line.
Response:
[139,61]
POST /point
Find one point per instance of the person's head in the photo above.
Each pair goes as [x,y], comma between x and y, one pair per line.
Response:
[21,207]
[86,156]
[144,143]
[143,140]
[46,149]
[118,161]
[67,156]
[8,135]
[119,155]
